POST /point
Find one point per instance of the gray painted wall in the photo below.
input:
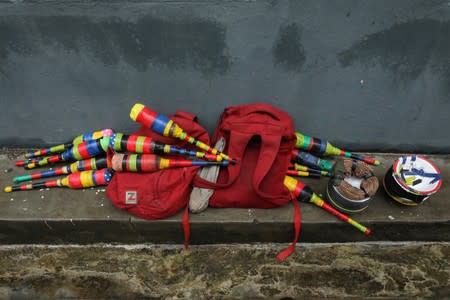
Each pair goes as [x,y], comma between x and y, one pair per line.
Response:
[368,75]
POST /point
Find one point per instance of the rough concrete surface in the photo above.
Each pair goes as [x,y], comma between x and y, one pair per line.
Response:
[415,270]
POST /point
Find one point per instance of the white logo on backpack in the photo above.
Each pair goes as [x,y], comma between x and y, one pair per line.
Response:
[130,197]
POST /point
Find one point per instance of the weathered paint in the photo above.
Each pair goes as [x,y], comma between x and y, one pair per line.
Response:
[371,75]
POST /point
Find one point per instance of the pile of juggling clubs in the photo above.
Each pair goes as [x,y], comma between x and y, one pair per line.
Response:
[95,156]
[307,161]
[88,167]
[307,157]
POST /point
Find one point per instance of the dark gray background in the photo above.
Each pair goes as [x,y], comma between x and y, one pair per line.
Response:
[368,75]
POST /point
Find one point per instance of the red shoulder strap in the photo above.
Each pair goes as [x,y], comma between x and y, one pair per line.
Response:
[186,227]
[297,218]
[269,150]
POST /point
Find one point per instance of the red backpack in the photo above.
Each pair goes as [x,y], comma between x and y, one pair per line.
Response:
[261,138]
[160,194]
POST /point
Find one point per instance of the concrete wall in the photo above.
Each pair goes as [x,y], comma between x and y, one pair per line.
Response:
[368,75]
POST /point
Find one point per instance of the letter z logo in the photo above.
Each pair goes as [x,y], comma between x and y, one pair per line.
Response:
[130,197]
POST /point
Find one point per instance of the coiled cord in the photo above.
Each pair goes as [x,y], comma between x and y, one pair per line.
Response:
[345,196]
[358,169]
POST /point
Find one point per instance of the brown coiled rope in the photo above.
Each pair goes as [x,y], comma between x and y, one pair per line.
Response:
[351,168]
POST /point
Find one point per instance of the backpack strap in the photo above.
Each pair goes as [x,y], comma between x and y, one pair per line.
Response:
[270,145]
[236,138]
[186,227]
[263,108]
[285,253]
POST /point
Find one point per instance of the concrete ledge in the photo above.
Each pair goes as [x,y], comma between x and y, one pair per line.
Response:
[71,216]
